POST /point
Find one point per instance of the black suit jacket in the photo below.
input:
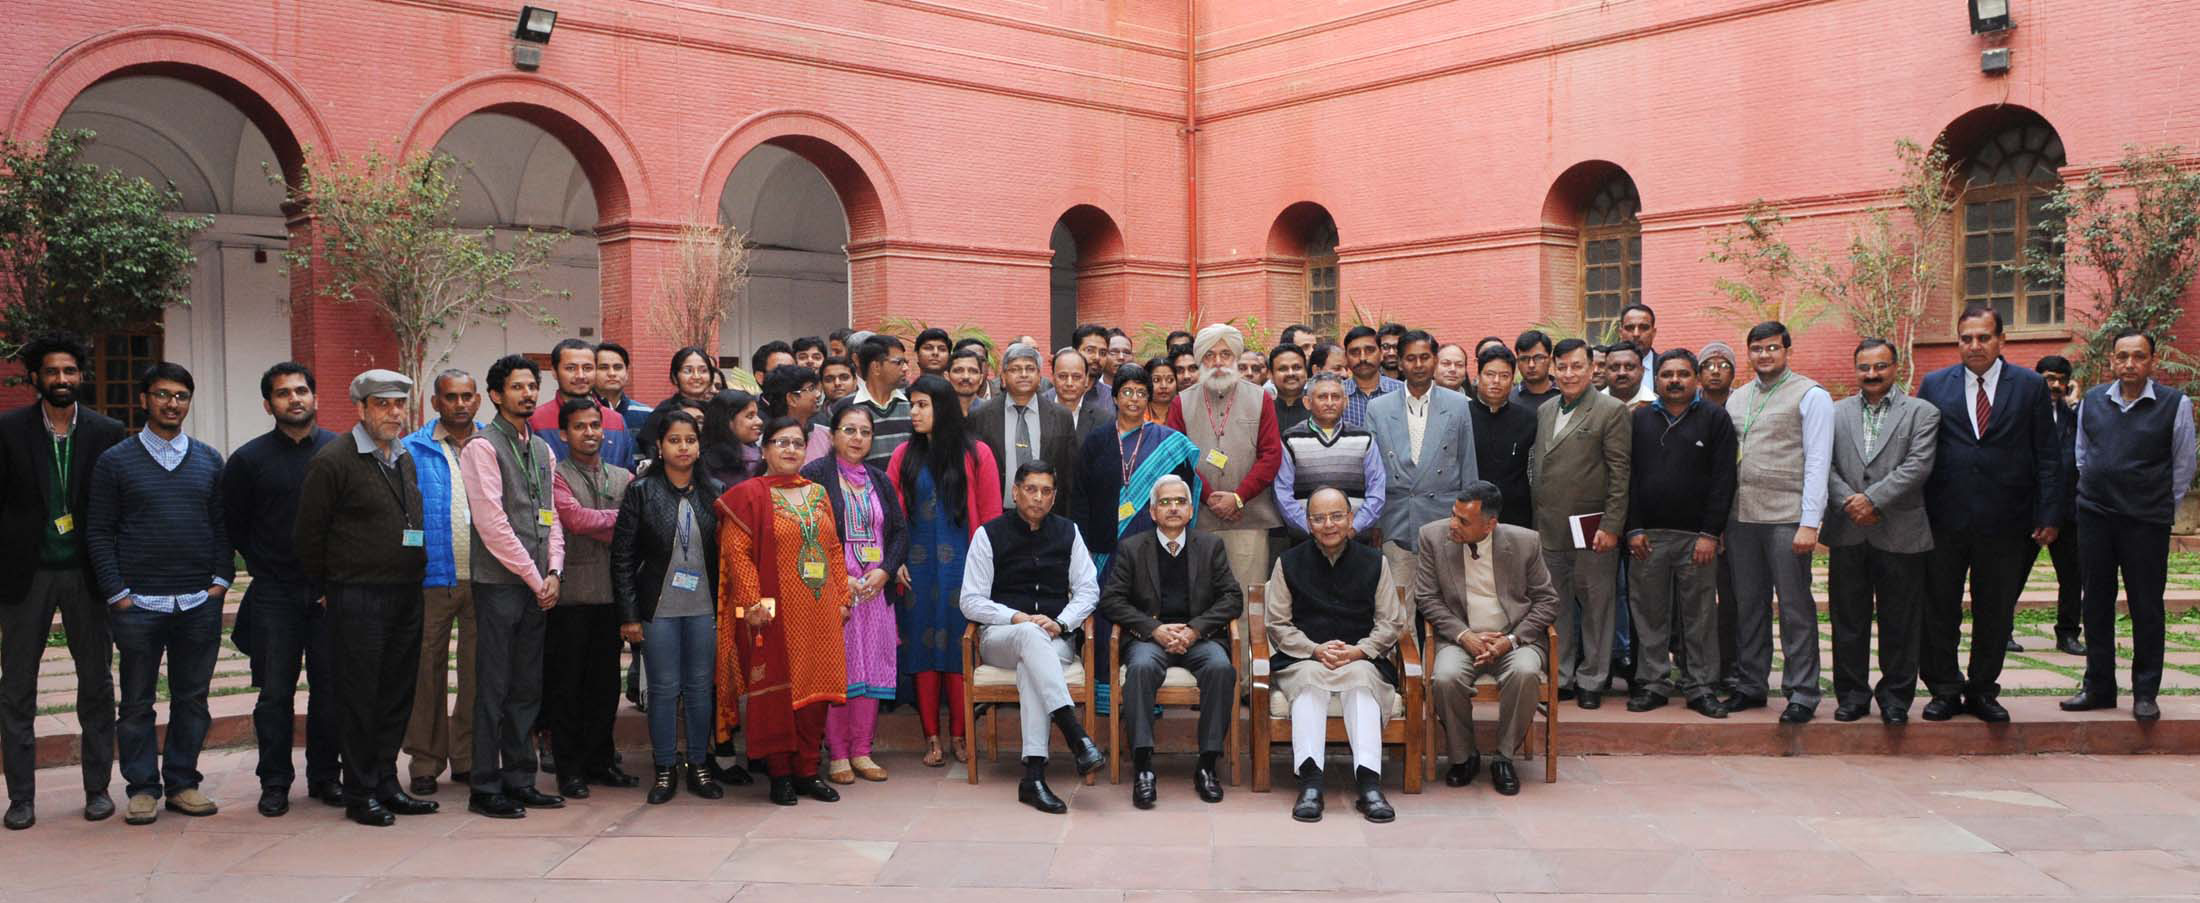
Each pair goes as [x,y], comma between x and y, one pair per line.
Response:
[1057,443]
[2010,479]
[1132,598]
[2066,423]
[26,474]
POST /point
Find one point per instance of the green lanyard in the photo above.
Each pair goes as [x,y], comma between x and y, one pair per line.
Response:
[526,453]
[61,461]
[1764,395]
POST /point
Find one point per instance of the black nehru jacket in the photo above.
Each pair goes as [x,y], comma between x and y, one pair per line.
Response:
[2128,469]
[1502,443]
[1333,601]
[1031,567]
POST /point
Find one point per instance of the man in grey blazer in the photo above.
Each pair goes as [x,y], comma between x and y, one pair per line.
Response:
[1583,456]
[1487,597]
[1046,433]
[1883,447]
[1426,437]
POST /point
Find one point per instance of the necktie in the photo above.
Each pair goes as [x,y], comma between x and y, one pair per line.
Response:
[1172,548]
[1985,407]
[1022,451]
[1474,551]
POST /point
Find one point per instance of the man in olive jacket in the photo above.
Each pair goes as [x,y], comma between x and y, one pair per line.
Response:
[1584,453]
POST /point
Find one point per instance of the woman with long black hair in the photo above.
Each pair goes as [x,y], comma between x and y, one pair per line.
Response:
[732,424]
[693,375]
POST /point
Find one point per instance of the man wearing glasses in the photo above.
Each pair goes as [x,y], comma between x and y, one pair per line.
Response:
[1532,352]
[1018,425]
[881,361]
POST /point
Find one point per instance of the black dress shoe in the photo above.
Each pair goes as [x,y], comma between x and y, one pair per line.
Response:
[782,792]
[815,788]
[1988,710]
[1374,807]
[665,786]
[1738,702]
[1035,793]
[1851,711]
[613,776]
[535,799]
[1894,716]
[1708,706]
[1796,713]
[1565,693]
[21,814]
[330,793]
[1643,702]
[2069,644]
[1207,785]
[275,802]
[1144,788]
[1589,699]
[424,786]
[1503,778]
[402,803]
[370,812]
[2012,646]
[737,776]
[573,788]
[494,805]
[2146,709]
[1942,708]
[702,784]
[1309,805]
[1089,756]
[1462,773]
[2087,701]
[462,778]
[98,806]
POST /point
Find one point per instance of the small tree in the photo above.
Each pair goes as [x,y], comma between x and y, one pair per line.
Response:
[83,248]
[1774,282]
[387,234]
[1896,264]
[712,271]
[2138,240]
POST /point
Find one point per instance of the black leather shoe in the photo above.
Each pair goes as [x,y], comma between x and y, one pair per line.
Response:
[702,784]
[1796,713]
[402,803]
[1089,756]
[2012,646]
[2146,709]
[1565,693]
[2087,701]
[98,806]
[275,801]
[666,785]
[1144,788]
[1207,785]
[1739,702]
[782,792]
[1309,805]
[330,793]
[613,776]
[1462,773]
[371,813]
[1988,710]
[424,786]
[535,799]
[1035,793]
[1894,717]
[494,805]
[21,814]
[1643,702]
[1589,699]
[1374,807]
[1503,778]
[1847,712]
[737,776]
[815,788]
[573,788]
[1708,706]
[462,778]
[1942,708]
[2069,644]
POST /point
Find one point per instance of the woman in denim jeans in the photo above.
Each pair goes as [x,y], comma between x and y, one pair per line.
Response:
[664,576]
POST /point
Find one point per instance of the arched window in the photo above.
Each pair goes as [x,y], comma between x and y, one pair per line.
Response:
[1321,277]
[2007,182]
[1611,255]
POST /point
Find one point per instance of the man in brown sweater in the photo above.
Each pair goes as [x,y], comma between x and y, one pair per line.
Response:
[360,537]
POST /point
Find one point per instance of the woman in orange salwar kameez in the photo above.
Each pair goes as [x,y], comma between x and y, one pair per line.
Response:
[780,607]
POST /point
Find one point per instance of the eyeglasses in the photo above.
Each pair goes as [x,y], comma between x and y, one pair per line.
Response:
[1334,517]
[789,443]
[165,395]
[1766,349]
[859,432]
[1171,502]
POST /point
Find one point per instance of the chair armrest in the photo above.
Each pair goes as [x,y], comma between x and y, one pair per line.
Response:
[970,648]
[1412,665]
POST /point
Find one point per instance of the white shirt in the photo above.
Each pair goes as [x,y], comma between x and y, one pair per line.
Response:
[1173,545]
[1417,421]
[1483,612]
[977,587]
[1008,439]
[1972,383]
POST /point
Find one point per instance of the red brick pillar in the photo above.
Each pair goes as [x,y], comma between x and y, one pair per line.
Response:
[337,340]
[638,260]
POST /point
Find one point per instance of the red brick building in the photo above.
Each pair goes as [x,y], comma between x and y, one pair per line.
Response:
[1471,167]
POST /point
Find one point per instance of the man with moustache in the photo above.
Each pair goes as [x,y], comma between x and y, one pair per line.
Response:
[1234,425]
[441,729]
[1683,485]
[573,368]
[1638,326]
[1287,373]
[1884,443]
[2063,552]
[1782,419]
[1580,465]
[1624,366]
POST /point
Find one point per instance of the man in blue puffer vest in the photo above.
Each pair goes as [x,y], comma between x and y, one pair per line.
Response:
[435,734]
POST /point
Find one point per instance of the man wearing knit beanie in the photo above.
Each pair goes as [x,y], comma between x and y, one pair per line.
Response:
[1715,372]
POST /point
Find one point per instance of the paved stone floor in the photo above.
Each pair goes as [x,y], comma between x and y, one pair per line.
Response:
[1613,828]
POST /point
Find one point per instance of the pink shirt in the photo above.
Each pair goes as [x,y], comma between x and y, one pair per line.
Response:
[485,498]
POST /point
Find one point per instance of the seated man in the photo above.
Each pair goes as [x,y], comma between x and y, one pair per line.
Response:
[1487,597]
[1333,617]
[1029,608]
[1172,595]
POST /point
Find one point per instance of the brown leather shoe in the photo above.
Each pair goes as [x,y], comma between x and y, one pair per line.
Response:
[190,801]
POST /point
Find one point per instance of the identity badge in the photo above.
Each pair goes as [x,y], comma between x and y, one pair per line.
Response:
[415,538]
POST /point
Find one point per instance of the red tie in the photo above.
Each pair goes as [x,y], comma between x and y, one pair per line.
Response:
[1985,407]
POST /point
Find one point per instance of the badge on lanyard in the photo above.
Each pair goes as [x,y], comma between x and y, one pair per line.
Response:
[415,538]
[65,524]
[813,570]
[686,580]
[1218,459]
[546,516]
[1125,511]
[868,555]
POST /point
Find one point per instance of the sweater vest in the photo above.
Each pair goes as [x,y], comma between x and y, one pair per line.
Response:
[1238,442]
[1341,462]
[526,495]
[587,578]
[1768,428]
[2128,470]
[1031,567]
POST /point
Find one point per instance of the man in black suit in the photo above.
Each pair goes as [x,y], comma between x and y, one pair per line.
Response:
[1172,594]
[1046,432]
[1995,496]
[2069,579]
[46,454]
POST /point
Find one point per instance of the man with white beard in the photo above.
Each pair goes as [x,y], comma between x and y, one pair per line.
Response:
[1234,424]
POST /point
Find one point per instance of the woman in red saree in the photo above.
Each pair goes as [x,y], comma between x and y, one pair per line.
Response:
[780,607]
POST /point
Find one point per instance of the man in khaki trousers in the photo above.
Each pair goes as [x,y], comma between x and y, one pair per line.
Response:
[436,735]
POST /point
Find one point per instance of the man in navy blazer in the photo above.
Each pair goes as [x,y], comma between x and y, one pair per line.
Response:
[1994,497]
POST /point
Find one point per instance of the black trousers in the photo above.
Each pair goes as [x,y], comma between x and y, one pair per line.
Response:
[2069,580]
[1996,564]
[581,685]
[374,653]
[285,627]
[1146,664]
[24,624]
[2141,551]
[1859,574]
[1726,620]
[507,685]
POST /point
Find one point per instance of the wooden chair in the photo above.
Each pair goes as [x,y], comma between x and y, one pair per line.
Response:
[1179,688]
[996,686]
[1486,691]
[1407,727]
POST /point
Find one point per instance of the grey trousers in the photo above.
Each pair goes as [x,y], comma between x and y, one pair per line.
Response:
[1586,582]
[1145,665]
[508,685]
[1037,660]
[1451,685]
[1765,564]
[1672,596]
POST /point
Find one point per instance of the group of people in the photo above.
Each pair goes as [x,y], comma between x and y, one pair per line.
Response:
[787,547]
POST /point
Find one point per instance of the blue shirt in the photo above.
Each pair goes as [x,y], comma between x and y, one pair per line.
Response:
[1355,401]
[168,453]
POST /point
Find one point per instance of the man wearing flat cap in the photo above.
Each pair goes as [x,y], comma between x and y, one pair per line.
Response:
[361,537]
[1240,449]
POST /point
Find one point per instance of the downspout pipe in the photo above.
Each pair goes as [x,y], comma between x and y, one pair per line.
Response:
[1191,157]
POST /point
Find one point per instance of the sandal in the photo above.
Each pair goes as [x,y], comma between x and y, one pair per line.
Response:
[932,757]
[962,749]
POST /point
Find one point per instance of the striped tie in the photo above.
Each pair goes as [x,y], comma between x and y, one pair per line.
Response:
[1985,407]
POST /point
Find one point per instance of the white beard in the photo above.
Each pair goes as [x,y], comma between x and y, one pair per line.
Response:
[1219,380]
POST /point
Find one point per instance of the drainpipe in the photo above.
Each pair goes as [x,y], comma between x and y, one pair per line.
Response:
[1191,156]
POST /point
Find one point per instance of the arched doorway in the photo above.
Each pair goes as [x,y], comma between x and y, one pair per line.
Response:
[1304,281]
[797,227]
[186,132]
[1084,282]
